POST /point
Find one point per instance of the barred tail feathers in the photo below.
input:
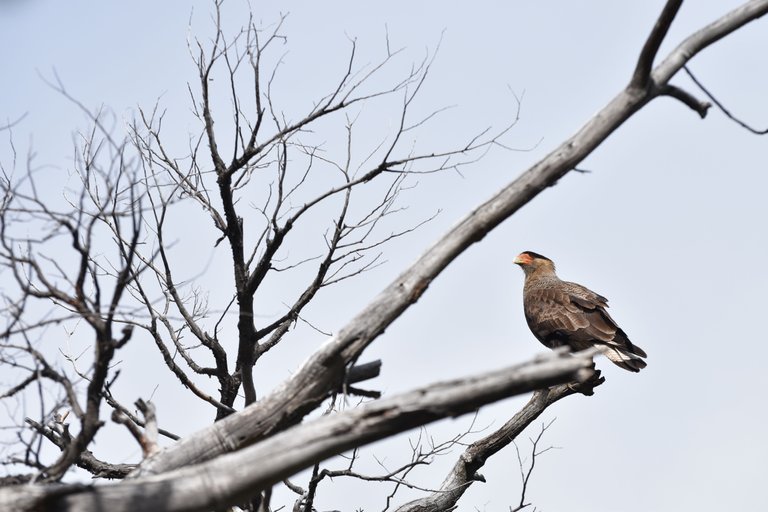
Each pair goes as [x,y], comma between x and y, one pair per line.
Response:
[623,358]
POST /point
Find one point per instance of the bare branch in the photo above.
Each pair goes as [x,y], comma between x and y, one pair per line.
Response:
[11,124]
[700,107]
[465,471]
[725,111]
[223,481]
[525,475]
[707,36]
[148,438]
[128,414]
[642,75]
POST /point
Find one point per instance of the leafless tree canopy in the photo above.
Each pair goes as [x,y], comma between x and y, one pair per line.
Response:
[107,259]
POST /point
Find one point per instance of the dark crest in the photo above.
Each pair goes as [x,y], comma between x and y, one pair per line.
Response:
[536,255]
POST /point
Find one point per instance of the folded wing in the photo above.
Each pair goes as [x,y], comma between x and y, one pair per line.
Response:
[572,315]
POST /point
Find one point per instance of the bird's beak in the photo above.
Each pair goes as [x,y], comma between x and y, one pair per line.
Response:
[522,259]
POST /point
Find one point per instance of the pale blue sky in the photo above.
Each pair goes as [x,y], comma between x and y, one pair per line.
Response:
[670,224]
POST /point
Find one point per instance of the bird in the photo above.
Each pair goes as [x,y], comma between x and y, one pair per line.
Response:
[560,313]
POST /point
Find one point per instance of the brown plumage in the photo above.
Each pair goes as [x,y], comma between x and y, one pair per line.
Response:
[560,313]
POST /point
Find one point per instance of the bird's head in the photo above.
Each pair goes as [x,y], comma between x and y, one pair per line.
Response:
[532,262]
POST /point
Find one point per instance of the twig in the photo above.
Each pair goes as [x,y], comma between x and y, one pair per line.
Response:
[722,107]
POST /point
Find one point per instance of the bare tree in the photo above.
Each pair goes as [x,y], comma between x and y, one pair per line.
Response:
[251,182]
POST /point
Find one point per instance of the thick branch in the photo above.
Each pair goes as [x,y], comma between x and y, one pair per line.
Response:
[232,478]
[707,36]
[642,75]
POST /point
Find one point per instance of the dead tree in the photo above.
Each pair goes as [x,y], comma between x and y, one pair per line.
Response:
[103,259]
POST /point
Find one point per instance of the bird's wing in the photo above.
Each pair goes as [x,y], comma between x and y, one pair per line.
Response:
[552,316]
[568,313]
[602,328]
[584,296]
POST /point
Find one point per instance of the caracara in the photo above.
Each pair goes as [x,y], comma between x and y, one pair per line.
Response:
[560,313]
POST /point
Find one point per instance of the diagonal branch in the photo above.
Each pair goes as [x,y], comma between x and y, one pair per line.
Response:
[642,75]
[233,478]
[707,36]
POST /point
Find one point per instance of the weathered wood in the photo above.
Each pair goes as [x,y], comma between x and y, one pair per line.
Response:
[233,478]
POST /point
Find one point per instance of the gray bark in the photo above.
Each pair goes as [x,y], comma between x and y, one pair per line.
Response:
[233,478]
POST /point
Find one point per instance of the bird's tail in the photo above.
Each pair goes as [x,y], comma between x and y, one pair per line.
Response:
[623,358]
[621,339]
